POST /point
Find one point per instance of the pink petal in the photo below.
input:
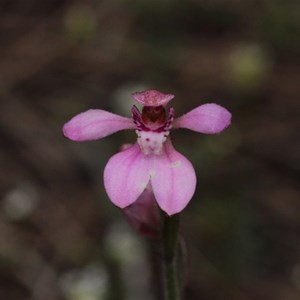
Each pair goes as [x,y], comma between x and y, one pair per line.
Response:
[152,98]
[173,180]
[208,118]
[95,124]
[126,176]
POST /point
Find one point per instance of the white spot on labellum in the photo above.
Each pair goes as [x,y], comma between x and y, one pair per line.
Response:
[175,164]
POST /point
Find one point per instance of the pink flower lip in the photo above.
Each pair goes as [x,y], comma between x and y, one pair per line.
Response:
[152,98]
[171,176]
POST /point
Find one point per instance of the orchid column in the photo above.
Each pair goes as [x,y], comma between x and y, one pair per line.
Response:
[152,162]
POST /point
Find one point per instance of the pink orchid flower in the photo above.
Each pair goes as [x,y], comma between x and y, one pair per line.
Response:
[152,160]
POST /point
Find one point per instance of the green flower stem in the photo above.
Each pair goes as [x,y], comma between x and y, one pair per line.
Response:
[170,246]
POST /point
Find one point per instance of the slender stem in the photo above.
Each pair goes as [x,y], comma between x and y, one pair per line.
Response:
[170,245]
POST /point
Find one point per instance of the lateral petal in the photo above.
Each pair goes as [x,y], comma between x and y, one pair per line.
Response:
[208,118]
[173,180]
[95,124]
[126,176]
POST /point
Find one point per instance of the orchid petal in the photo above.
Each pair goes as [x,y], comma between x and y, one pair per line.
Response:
[95,124]
[173,180]
[152,98]
[126,176]
[208,118]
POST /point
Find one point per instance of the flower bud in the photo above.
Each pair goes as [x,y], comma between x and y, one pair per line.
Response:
[144,214]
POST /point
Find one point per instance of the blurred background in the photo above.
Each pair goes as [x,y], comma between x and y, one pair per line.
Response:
[60,236]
